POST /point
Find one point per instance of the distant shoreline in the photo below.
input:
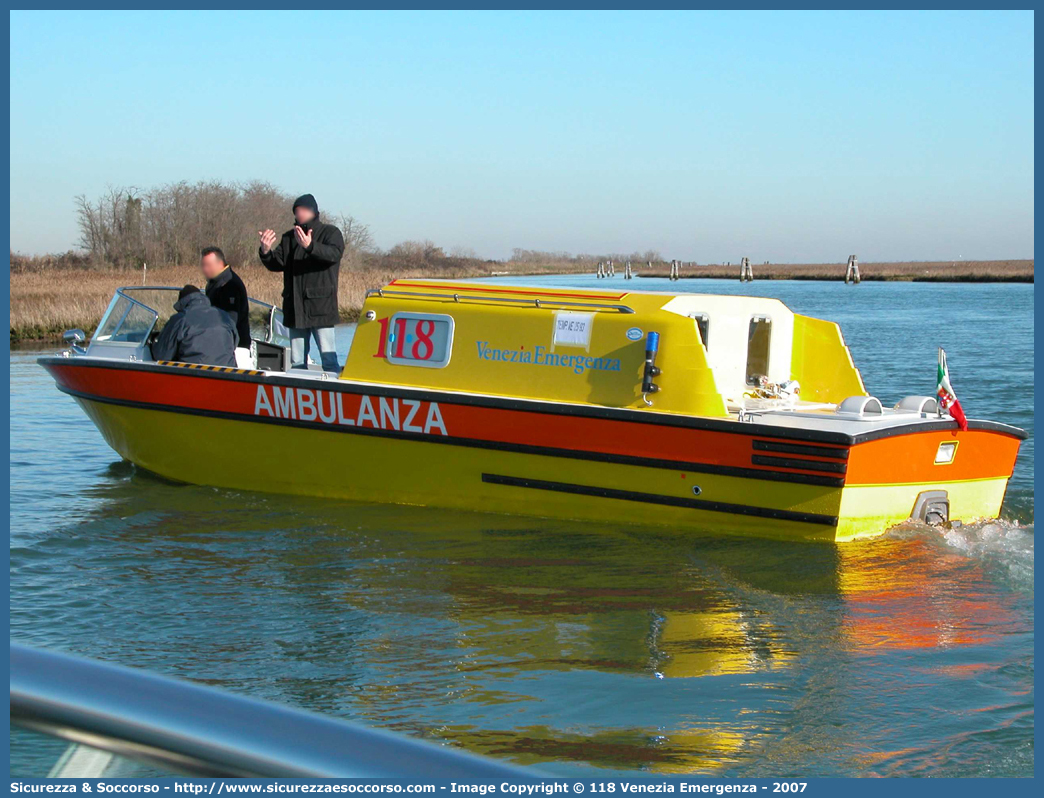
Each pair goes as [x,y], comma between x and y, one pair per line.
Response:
[46,300]
[970,271]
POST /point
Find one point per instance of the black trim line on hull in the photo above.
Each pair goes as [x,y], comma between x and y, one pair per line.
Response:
[519,448]
[547,407]
[656,498]
[801,448]
[790,462]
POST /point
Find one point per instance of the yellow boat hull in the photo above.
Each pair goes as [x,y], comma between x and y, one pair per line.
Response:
[316,462]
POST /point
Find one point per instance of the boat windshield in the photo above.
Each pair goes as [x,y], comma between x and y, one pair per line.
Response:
[127,321]
[135,311]
[266,323]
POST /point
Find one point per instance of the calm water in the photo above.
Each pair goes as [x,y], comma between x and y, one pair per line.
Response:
[569,646]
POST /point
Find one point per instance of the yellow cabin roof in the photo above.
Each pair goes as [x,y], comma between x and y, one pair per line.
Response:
[588,346]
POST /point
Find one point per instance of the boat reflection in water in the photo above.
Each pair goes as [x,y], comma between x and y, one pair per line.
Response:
[545,642]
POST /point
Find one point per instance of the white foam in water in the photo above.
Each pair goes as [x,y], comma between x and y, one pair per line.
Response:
[1005,543]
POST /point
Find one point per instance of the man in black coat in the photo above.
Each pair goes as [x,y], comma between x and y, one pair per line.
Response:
[225,290]
[197,332]
[309,256]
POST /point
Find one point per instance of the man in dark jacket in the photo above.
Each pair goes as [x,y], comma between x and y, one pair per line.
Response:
[225,290]
[197,332]
[309,256]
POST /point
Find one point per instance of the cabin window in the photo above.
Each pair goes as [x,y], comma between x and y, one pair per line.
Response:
[703,325]
[759,337]
[419,339]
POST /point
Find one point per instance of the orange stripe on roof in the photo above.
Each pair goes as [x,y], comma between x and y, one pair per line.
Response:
[528,292]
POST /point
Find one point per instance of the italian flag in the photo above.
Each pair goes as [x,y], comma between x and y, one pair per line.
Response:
[947,398]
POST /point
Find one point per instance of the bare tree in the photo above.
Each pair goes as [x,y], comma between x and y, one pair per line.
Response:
[466,253]
[358,240]
[170,224]
[89,221]
[422,251]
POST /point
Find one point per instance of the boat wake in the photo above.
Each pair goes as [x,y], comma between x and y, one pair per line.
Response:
[997,543]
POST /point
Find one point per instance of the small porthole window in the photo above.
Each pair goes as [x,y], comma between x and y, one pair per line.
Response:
[759,339]
[419,339]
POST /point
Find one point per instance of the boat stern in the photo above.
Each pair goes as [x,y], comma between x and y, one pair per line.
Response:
[923,473]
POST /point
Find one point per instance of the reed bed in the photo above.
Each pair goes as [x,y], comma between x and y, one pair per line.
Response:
[56,293]
[46,301]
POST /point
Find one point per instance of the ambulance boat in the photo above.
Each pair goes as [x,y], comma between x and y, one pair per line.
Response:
[698,412]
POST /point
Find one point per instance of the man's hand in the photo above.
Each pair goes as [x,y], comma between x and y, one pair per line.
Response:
[303,238]
[268,238]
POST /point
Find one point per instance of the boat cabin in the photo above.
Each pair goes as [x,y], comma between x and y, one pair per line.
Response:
[696,354]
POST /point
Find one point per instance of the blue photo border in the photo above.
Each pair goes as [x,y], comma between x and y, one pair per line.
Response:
[816,787]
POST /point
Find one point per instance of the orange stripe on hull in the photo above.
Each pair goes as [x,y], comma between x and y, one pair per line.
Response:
[501,425]
[910,458]
[901,459]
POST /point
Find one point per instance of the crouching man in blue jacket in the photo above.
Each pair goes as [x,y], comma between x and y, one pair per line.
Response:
[197,332]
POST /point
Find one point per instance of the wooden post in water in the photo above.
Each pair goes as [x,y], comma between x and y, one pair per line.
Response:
[627,270]
[852,271]
[144,271]
[746,272]
[612,269]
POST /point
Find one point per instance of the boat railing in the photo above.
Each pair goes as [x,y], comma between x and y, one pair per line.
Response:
[540,302]
[188,728]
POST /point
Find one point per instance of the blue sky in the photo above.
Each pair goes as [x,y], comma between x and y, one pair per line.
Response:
[708,136]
